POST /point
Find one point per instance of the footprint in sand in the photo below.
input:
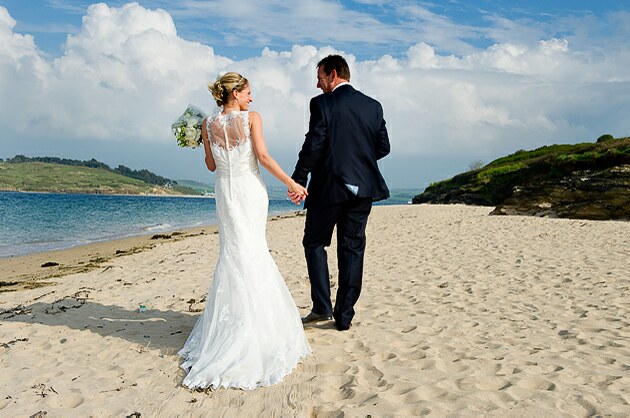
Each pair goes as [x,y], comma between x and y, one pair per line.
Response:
[536,383]
[373,376]
[451,366]
[404,395]
[402,388]
[336,388]
[418,355]
[508,369]
[333,367]
[482,383]
[65,402]
[427,330]
[535,368]
[424,364]
[578,407]
[408,393]
[347,389]
[362,348]
[326,412]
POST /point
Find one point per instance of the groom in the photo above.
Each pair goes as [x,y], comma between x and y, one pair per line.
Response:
[346,136]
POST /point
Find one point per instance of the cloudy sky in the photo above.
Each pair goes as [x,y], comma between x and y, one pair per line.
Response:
[459,81]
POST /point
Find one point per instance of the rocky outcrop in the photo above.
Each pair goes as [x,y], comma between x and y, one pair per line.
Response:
[582,181]
[597,195]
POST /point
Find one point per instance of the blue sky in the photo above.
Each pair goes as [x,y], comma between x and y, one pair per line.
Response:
[459,80]
[473,22]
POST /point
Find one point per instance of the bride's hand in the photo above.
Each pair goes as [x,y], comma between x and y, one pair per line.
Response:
[297,192]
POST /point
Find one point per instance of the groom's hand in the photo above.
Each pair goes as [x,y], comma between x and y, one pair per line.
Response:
[296,197]
[296,192]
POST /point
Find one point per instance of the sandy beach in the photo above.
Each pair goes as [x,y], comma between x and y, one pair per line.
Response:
[462,314]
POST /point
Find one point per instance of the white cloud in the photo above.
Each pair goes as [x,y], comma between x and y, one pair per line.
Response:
[14,46]
[119,78]
[127,74]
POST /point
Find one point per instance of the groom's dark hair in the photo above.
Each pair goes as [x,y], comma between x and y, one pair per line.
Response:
[337,63]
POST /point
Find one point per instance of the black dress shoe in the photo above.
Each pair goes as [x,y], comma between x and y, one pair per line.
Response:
[313,317]
[343,327]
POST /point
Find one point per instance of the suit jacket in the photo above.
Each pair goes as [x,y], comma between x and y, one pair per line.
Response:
[346,137]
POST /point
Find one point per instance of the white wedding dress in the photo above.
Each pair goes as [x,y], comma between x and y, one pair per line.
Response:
[250,333]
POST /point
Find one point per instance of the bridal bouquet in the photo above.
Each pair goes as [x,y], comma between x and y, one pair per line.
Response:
[187,128]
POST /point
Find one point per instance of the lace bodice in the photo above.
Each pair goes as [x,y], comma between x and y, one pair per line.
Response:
[231,145]
[232,129]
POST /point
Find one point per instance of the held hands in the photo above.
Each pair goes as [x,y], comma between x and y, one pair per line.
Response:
[297,193]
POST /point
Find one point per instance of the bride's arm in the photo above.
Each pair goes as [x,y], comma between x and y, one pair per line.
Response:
[206,146]
[258,140]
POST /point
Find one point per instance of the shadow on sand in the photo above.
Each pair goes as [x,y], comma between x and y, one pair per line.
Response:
[164,330]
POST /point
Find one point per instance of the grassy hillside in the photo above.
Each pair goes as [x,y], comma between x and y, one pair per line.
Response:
[57,178]
[201,188]
[586,180]
[493,183]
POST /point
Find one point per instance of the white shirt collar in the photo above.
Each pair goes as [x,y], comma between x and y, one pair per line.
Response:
[340,84]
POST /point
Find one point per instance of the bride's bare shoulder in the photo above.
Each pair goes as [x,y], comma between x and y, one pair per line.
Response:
[255,119]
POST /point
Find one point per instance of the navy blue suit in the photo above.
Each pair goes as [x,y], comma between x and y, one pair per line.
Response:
[346,137]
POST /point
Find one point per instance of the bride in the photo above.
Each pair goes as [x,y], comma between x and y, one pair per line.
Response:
[250,333]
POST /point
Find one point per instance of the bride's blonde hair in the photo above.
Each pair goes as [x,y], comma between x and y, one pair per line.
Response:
[225,85]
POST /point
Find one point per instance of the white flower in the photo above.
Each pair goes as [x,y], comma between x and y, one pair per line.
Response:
[192,136]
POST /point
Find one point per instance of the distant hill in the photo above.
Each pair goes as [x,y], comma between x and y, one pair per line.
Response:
[143,174]
[80,178]
[585,181]
[201,188]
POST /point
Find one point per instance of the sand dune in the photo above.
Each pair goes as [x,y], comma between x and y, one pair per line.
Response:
[462,314]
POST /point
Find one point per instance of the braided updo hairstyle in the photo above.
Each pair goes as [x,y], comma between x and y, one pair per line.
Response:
[225,84]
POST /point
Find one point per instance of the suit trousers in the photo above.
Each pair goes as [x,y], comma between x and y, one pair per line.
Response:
[350,217]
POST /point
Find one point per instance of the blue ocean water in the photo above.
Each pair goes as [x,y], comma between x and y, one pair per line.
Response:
[34,222]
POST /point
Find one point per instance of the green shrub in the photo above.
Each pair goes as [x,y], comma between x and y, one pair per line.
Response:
[437,183]
[486,175]
[605,138]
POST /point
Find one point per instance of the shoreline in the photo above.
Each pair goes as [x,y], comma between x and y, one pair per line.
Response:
[28,271]
[105,194]
[145,233]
